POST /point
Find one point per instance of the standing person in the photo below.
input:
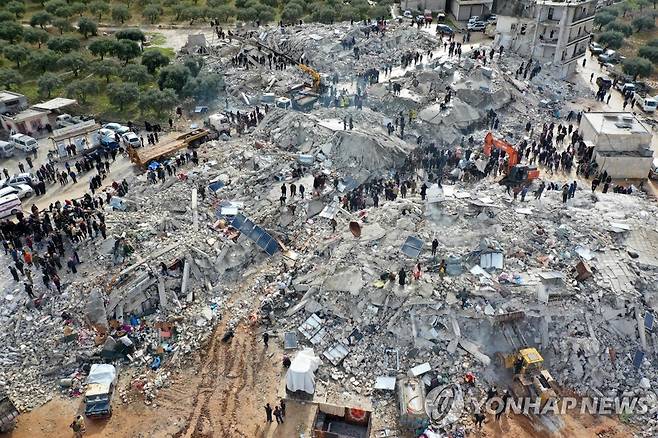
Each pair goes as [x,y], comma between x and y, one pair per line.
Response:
[78,426]
[524,192]
[334,224]
[540,190]
[277,415]
[266,339]
[479,418]
[14,273]
[268,412]
[301,191]
[565,193]
[435,245]
[402,277]
[283,407]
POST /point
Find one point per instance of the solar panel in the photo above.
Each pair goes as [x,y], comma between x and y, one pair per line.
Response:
[272,247]
[648,321]
[412,246]
[255,233]
[238,221]
[637,359]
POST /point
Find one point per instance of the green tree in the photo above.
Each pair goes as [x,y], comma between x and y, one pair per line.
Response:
[105,68]
[122,94]
[156,100]
[618,26]
[653,42]
[42,60]
[173,76]
[64,44]
[6,16]
[53,6]
[603,18]
[16,53]
[216,3]
[81,89]
[324,14]
[102,47]
[178,9]
[9,77]
[152,13]
[73,61]
[222,13]
[624,7]
[637,67]
[98,8]
[135,73]
[78,8]
[153,59]
[87,26]
[47,83]
[644,23]
[127,2]
[63,24]
[193,13]
[126,50]
[642,4]
[33,35]
[649,52]
[612,40]
[194,64]
[15,7]
[11,31]
[41,19]
[121,13]
[130,34]
[204,88]
[292,12]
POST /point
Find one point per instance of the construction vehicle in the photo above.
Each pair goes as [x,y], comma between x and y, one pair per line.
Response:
[515,174]
[316,87]
[193,139]
[529,377]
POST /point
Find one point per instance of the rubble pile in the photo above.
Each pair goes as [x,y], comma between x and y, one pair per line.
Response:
[578,278]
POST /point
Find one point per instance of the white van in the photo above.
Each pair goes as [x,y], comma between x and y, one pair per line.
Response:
[24,142]
[6,149]
[9,206]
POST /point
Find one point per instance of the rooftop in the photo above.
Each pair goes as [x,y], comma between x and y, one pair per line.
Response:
[28,114]
[55,104]
[616,123]
[9,95]
[564,3]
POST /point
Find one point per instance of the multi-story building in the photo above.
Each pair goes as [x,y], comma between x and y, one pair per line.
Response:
[563,30]
[462,10]
[422,5]
[621,142]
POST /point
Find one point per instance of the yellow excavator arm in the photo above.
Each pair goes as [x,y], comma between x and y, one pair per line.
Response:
[314,74]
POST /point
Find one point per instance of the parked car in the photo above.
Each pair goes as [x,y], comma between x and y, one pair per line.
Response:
[20,178]
[476,26]
[116,127]
[10,205]
[21,190]
[24,142]
[408,14]
[6,149]
[596,48]
[493,19]
[444,29]
[474,18]
[610,57]
[65,120]
[131,139]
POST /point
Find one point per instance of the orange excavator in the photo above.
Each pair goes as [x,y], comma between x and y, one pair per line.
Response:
[515,173]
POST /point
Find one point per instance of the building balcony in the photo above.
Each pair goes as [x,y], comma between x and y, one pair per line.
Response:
[582,18]
[547,41]
[549,21]
[572,58]
[578,38]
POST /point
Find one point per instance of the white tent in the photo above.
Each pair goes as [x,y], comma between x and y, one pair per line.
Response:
[300,376]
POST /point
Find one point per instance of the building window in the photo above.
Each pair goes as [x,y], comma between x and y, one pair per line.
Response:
[550,13]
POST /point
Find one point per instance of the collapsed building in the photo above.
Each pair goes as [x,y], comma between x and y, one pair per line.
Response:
[580,282]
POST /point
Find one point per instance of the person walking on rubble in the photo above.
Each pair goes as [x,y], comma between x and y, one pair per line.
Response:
[268,412]
[301,191]
[78,426]
[266,340]
[435,245]
[402,276]
[277,415]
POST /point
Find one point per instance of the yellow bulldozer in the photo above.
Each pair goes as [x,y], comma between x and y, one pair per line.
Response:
[530,378]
